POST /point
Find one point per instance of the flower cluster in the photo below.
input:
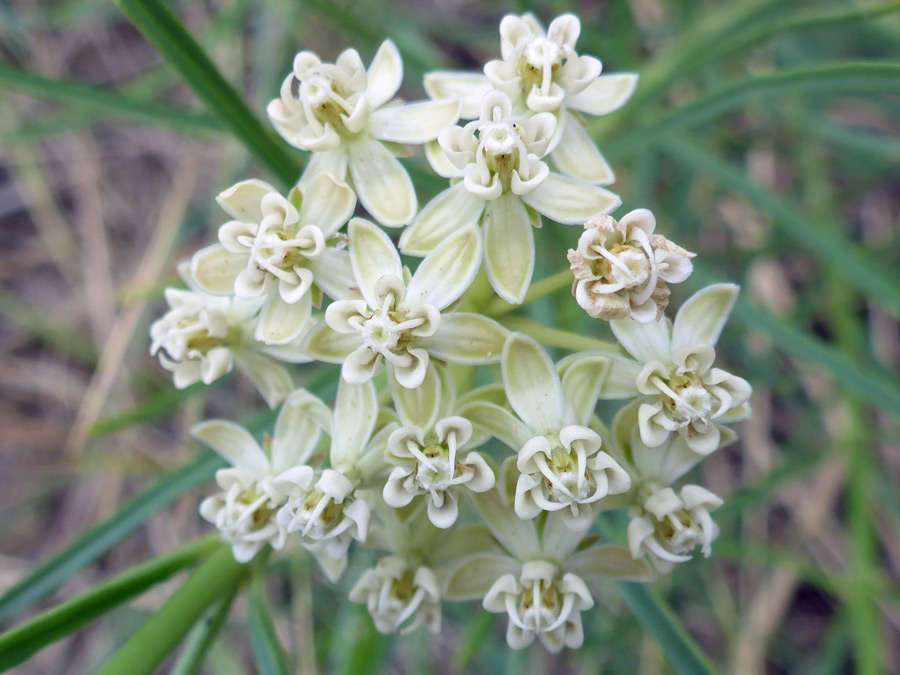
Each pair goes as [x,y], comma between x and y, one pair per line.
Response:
[468,492]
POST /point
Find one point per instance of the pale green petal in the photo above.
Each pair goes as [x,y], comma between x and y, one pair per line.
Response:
[447,271]
[621,378]
[414,123]
[577,155]
[468,339]
[242,201]
[418,407]
[452,210]
[373,255]
[644,341]
[517,536]
[440,162]
[382,184]
[582,380]
[297,430]
[281,322]
[327,161]
[355,413]
[468,87]
[702,317]
[328,202]
[604,562]
[214,269]
[325,344]
[497,421]
[270,378]
[508,247]
[570,201]
[234,443]
[333,273]
[605,94]
[531,384]
[472,579]
[384,75]
[558,538]
[461,542]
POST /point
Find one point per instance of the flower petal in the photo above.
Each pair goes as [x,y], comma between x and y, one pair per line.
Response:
[644,341]
[472,579]
[327,161]
[531,384]
[382,184]
[497,421]
[325,344]
[234,443]
[508,247]
[447,271]
[468,87]
[271,379]
[214,269]
[469,339]
[328,202]
[578,156]
[281,322]
[570,201]
[418,407]
[414,123]
[702,317]
[297,430]
[608,561]
[242,201]
[517,536]
[452,210]
[582,380]
[385,74]
[373,255]
[333,273]
[355,413]
[604,95]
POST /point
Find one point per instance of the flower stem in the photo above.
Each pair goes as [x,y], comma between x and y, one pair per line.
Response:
[554,337]
[499,307]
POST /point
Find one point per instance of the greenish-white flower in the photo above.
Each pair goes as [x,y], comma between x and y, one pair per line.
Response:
[399,321]
[281,249]
[344,114]
[505,187]
[400,597]
[621,268]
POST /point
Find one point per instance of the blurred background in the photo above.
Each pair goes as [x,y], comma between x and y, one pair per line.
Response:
[764,136]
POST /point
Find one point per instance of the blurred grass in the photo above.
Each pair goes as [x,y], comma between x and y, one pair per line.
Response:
[786,182]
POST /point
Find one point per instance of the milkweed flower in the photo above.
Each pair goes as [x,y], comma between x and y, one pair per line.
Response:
[506,187]
[621,268]
[541,71]
[399,320]
[345,115]
[399,597]
[281,249]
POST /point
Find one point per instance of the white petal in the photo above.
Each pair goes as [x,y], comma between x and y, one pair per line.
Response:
[531,384]
[326,344]
[234,443]
[469,339]
[472,579]
[418,407]
[328,202]
[702,317]
[328,161]
[605,94]
[497,421]
[644,341]
[444,516]
[570,201]
[355,413]
[517,536]
[578,156]
[582,380]
[280,322]
[242,201]
[373,255]
[447,271]
[608,561]
[297,430]
[214,269]
[452,210]
[385,75]
[414,123]
[468,87]
[271,379]
[333,273]
[382,184]
[508,247]
[440,161]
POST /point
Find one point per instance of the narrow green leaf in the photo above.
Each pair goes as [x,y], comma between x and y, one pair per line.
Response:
[22,642]
[850,260]
[158,405]
[98,540]
[267,651]
[142,653]
[163,29]
[97,99]
[201,638]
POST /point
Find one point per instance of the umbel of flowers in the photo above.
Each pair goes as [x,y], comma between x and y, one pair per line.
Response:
[482,493]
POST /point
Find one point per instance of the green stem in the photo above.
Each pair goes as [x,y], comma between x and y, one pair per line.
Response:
[554,337]
[499,307]
[155,640]
[201,639]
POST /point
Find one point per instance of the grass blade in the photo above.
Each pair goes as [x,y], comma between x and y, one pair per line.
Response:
[268,654]
[98,540]
[22,642]
[142,653]
[200,640]
[163,29]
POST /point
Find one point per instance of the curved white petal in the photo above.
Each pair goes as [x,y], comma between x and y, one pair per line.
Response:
[355,413]
[577,155]
[447,271]
[214,269]
[450,211]
[646,342]
[473,578]
[414,123]
[467,87]
[582,382]
[281,322]
[570,201]
[271,379]
[297,430]
[333,273]
[328,202]
[604,95]
[385,74]
[327,161]
[418,407]
[325,344]
[234,443]
[373,255]
[702,317]
[508,247]
[242,201]
[531,384]
[469,339]
[382,184]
